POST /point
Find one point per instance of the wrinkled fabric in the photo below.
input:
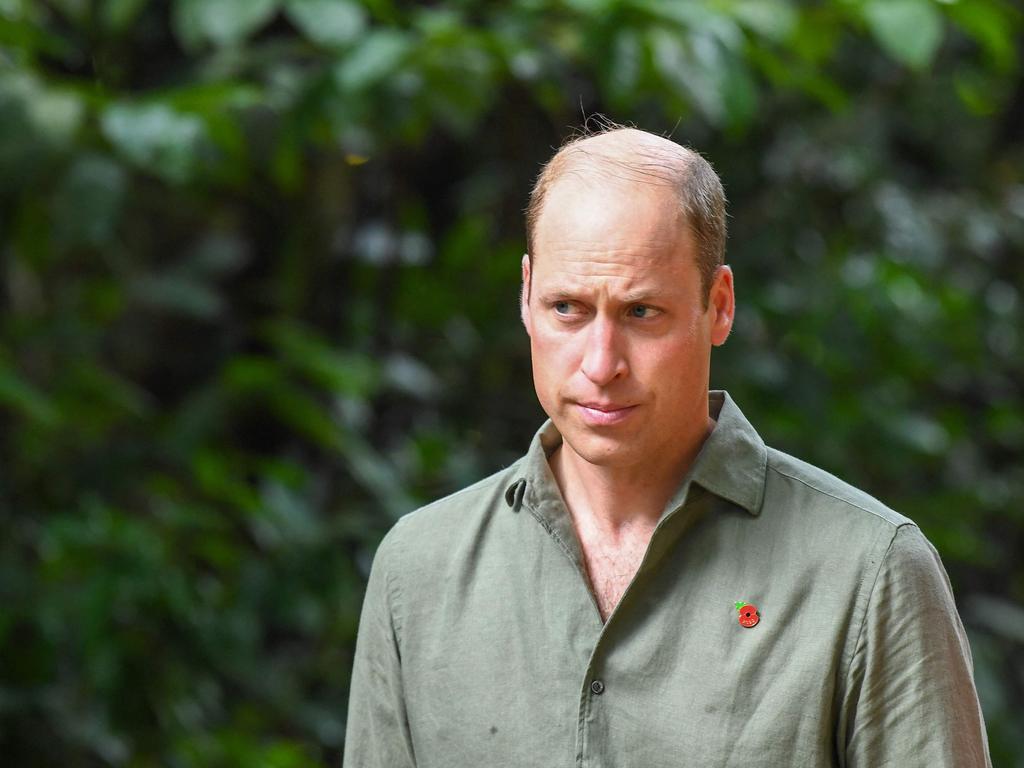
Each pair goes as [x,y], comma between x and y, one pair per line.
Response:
[480,641]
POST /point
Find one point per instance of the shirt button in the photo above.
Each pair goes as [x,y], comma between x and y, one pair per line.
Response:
[597,687]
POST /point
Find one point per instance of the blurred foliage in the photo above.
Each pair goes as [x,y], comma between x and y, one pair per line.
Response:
[259,278]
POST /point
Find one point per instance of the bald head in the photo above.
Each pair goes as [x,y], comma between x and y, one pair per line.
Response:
[627,155]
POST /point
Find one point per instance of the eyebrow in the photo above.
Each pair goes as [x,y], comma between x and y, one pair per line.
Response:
[645,296]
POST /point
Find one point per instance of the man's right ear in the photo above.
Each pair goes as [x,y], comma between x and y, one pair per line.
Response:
[524,295]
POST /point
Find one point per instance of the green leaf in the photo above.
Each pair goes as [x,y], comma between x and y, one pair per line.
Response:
[221,22]
[739,94]
[378,55]
[307,416]
[23,32]
[177,294]
[327,22]
[87,204]
[58,116]
[101,396]
[702,67]
[922,433]
[218,253]
[787,73]
[686,15]
[625,65]
[266,381]
[908,30]
[77,10]
[773,19]
[980,94]
[992,27]
[340,372]
[119,14]
[204,98]
[378,475]
[409,375]
[18,394]
[591,7]
[155,137]
[249,374]
[55,114]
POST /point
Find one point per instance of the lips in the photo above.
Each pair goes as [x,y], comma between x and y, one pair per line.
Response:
[604,414]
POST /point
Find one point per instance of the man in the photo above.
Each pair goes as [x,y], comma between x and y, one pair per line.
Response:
[650,585]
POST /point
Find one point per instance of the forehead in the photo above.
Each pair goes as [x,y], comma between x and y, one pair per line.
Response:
[611,227]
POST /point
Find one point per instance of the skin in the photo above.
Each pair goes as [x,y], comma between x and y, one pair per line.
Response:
[621,344]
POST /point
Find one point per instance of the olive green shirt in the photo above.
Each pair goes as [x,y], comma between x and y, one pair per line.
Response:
[481,644]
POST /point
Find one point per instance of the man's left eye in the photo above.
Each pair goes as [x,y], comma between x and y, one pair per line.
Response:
[642,311]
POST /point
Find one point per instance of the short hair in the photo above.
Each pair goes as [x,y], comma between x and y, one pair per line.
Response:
[650,159]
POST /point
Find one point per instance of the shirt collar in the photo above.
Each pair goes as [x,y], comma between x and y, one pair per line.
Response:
[731,464]
[733,460]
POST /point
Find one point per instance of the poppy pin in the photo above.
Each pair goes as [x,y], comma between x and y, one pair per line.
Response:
[749,616]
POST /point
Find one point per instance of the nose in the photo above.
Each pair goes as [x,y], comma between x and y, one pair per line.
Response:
[603,357]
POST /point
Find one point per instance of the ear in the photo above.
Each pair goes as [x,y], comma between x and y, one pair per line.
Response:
[721,305]
[524,295]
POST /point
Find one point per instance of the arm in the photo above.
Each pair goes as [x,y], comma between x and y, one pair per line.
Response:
[377,735]
[910,697]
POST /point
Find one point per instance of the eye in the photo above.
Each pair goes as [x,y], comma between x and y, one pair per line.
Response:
[642,311]
[564,308]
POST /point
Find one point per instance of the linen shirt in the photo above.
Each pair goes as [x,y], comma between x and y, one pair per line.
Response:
[481,644]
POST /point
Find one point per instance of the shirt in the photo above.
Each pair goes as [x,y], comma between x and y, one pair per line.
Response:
[480,642]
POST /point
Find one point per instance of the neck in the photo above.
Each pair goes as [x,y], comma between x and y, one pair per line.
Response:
[612,499]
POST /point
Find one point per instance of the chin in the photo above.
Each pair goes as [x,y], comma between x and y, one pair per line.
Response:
[599,450]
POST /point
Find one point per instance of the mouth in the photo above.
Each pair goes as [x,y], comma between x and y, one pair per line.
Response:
[604,414]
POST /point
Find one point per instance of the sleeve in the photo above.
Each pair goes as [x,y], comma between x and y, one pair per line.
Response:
[377,734]
[910,697]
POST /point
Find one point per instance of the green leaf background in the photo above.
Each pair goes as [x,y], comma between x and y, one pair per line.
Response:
[259,270]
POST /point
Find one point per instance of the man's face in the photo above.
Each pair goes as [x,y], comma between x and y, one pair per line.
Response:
[619,334]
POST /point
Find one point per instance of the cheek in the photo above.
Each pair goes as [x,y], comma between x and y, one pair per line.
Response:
[544,354]
[674,365]
[554,347]
[555,362]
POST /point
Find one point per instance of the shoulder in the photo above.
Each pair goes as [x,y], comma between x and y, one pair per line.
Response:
[434,526]
[455,509]
[826,516]
[793,482]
